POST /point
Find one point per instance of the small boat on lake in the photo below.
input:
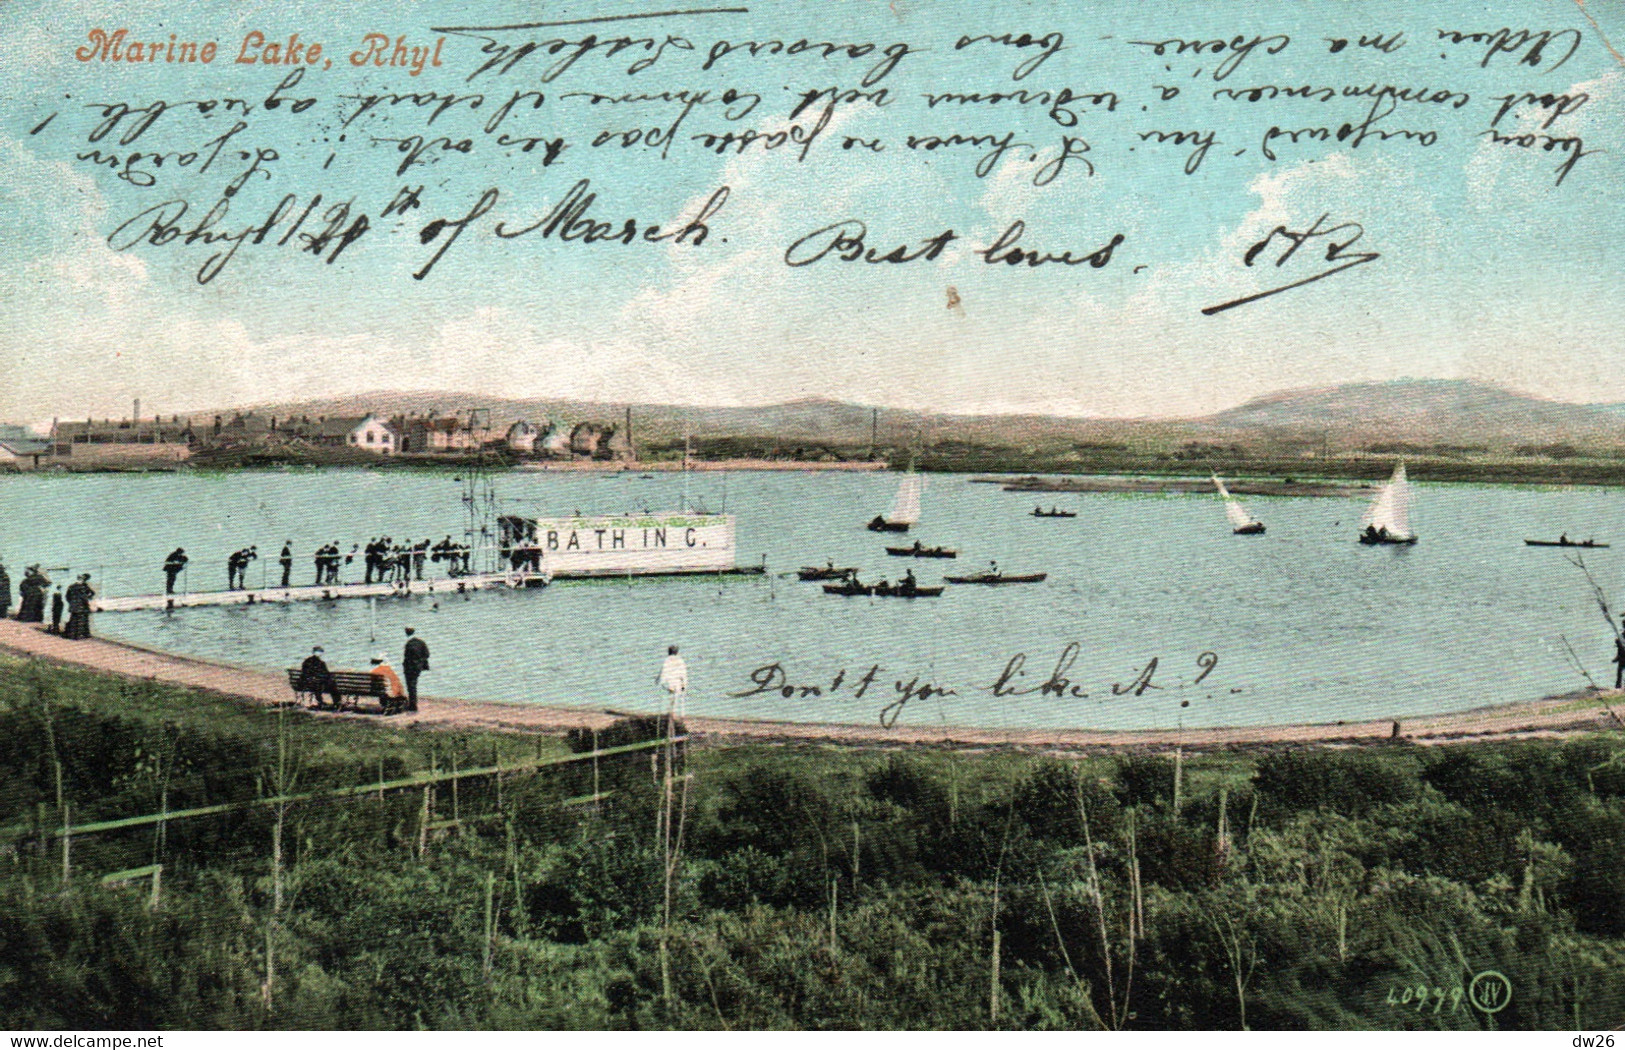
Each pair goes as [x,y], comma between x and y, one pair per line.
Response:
[1053,512]
[854,588]
[1387,520]
[1242,523]
[919,550]
[905,509]
[824,572]
[993,577]
[1564,541]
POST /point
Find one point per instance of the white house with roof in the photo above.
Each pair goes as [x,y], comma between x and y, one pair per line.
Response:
[522,437]
[368,433]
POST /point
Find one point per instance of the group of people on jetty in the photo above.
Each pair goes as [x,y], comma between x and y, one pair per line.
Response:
[31,601]
[386,561]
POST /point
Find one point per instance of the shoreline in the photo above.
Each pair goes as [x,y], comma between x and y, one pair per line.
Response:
[1583,711]
[675,466]
[1183,486]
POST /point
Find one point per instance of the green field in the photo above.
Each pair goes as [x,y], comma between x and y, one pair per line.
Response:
[791,887]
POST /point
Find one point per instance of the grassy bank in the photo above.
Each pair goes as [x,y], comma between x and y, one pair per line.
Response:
[804,886]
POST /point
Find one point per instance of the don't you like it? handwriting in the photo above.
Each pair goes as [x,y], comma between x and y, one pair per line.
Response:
[1014,682]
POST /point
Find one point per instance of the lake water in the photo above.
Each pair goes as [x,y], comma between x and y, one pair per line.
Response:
[1307,624]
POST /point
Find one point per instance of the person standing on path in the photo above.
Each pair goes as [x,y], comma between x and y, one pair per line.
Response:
[414,661]
[5,592]
[56,611]
[1619,655]
[172,568]
[285,559]
[673,678]
[31,595]
[79,596]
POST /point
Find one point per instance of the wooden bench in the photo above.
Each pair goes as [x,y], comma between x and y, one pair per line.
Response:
[349,685]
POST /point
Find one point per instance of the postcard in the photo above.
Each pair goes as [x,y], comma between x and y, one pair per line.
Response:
[918,515]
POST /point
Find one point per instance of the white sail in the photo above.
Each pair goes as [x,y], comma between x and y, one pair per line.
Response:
[1390,509]
[906,510]
[1232,507]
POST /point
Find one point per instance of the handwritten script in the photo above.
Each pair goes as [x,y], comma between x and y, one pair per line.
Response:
[677,131]
[1014,681]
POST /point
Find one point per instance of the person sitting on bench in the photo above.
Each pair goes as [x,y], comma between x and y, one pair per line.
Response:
[316,679]
[394,700]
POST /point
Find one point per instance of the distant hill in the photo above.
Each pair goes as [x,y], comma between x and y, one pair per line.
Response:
[1351,414]
[812,419]
[1431,409]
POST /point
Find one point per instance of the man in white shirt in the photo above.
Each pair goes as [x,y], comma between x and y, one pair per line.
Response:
[673,678]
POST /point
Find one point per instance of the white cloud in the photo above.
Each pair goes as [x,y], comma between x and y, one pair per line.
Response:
[1501,175]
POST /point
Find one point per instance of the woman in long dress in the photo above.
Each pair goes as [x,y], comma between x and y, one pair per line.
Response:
[31,594]
[78,597]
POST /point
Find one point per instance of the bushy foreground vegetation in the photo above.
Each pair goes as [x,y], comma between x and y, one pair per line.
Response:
[791,886]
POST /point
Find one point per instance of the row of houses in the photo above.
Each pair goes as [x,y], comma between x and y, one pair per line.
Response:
[21,447]
[416,434]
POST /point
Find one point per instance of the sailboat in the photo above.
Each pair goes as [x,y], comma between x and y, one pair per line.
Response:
[1242,523]
[1387,520]
[905,509]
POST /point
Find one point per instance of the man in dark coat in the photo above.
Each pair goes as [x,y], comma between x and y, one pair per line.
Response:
[79,596]
[316,679]
[1619,655]
[285,559]
[56,611]
[5,592]
[31,595]
[414,661]
[172,568]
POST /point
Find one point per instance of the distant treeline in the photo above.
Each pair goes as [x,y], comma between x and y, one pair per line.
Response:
[1393,887]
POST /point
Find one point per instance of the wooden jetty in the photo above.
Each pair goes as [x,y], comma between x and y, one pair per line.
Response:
[322,593]
[414,588]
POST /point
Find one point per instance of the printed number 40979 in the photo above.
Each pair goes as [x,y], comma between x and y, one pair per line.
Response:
[1420,995]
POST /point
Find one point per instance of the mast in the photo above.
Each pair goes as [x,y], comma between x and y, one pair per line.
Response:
[479,497]
[906,510]
[688,451]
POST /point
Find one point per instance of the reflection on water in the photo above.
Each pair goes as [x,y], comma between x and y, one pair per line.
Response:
[1307,624]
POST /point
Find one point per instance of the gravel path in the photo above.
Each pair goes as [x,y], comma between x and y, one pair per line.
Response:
[1554,716]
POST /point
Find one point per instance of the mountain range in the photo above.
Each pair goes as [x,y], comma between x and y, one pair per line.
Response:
[1418,410]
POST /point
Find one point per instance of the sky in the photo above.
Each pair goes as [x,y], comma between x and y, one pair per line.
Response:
[1488,267]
